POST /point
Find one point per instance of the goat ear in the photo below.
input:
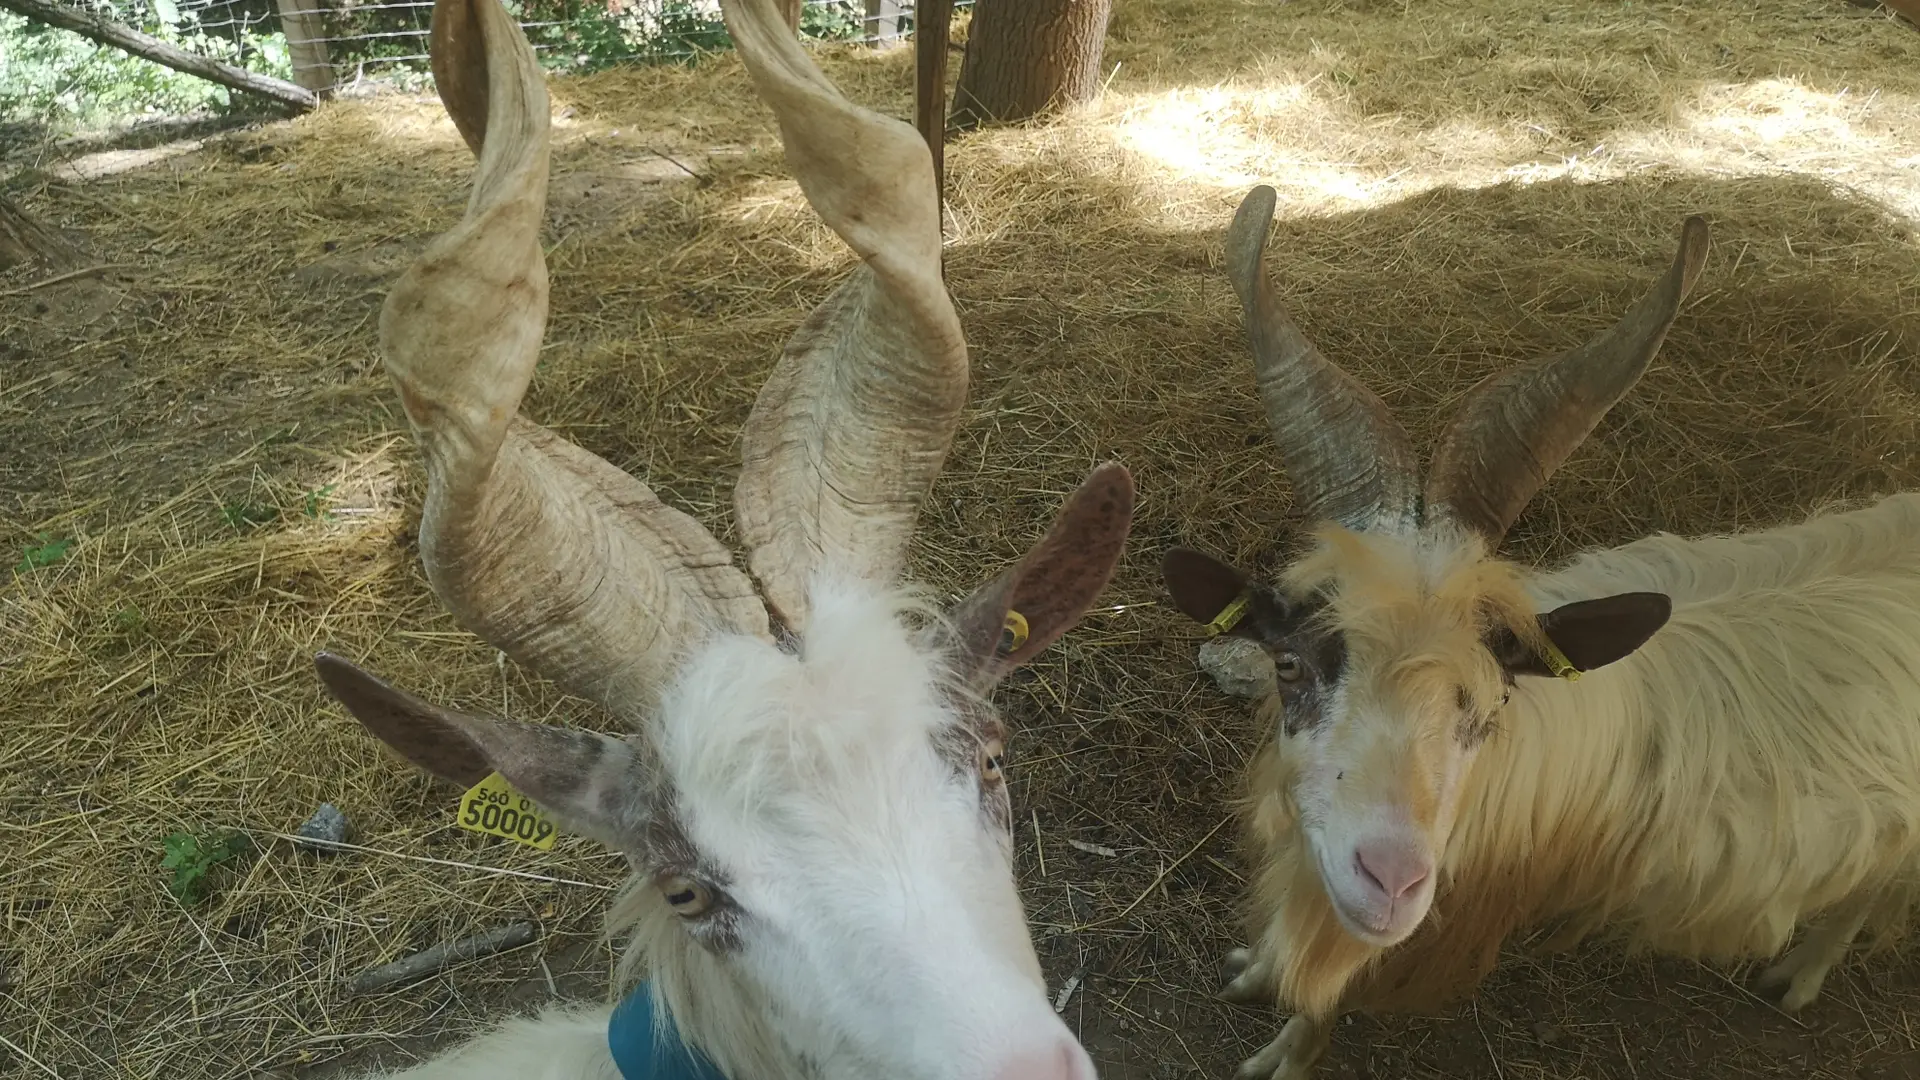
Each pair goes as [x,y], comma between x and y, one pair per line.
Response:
[1054,585]
[1589,633]
[590,782]
[1203,588]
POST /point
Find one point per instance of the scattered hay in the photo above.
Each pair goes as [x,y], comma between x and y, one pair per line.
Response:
[213,430]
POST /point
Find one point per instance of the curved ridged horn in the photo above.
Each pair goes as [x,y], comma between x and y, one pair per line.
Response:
[1517,426]
[1349,460]
[551,554]
[854,423]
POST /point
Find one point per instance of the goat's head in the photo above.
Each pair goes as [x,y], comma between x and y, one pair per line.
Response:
[815,814]
[1397,636]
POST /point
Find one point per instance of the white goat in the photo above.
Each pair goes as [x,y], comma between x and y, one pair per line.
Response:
[816,817]
[1747,755]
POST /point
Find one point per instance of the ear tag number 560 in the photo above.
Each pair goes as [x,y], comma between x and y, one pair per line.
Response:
[493,807]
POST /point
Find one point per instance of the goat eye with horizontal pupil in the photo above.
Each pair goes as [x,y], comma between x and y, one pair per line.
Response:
[1288,668]
[991,764]
[686,896]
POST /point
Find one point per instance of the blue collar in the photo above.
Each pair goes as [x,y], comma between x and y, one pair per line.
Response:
[643,1053]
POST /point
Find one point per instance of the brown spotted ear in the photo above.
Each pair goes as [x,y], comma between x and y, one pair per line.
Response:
[1007,621]
[595,785]
[1589,634]
[1221,597]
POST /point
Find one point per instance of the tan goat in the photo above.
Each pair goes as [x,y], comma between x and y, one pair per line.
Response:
[1734,746]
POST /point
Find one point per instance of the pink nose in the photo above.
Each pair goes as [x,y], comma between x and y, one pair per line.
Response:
[1393,867]
[1063,1060]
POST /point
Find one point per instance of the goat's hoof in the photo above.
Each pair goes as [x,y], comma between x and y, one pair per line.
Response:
[1798,983]
[1236,964]
[1245,990]
[1256,1068]
[1246,980]
[1797,998]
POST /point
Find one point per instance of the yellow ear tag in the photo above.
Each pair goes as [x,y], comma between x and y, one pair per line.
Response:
[493,807]
[1558,663]
[1016,632]
[1230,615]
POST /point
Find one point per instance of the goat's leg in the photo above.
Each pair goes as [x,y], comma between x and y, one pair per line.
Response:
[1291,1055]
[1249,978]
[1805,967]
[558,1044]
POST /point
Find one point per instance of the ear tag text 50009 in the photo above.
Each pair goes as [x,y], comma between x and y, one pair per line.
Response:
[494,808]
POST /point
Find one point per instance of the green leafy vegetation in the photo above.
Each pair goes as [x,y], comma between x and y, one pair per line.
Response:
[191,857]
[46,550]
[316,502]
[246,516]
[62,84]
[59,83]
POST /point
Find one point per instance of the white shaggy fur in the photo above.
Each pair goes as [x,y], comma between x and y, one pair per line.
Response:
[1754,765]
[873,878]
[558,1044]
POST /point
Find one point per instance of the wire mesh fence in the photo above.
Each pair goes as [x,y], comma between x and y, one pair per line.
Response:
[336,45]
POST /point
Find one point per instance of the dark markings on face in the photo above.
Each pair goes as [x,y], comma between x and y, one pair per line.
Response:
[976,747]
[1309,656]
[1474,726]
[670,854]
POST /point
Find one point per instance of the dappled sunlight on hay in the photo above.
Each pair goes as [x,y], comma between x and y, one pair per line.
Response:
[1464,186]
[1300,137]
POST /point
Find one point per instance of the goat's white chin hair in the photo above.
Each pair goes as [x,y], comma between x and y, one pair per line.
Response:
[880,931]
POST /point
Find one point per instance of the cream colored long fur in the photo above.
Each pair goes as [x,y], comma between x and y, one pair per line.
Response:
[1755,764]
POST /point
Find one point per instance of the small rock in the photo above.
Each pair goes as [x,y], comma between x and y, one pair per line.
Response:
[1547,1033]
[1239,667]
[327,823]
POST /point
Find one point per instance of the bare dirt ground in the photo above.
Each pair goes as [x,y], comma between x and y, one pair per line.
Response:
[204,426]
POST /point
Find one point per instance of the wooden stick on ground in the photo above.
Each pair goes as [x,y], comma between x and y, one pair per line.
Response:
[422,964]
[68,276]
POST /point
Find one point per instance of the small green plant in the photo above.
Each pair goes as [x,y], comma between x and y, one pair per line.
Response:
[46,550]
[244,516]
[833,20]
[129,619]
[316,504]
[190,857]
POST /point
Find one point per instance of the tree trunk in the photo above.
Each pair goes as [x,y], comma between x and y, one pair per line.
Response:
[933,20]
[306,30]
[882,24]
[23,239]
[1026,57]
[107,32]
[790,10]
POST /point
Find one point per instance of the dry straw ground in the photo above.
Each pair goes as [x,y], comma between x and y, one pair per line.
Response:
[1464,185]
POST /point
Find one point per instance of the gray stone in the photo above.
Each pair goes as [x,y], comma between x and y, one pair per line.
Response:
[1239,667]
[327,823]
